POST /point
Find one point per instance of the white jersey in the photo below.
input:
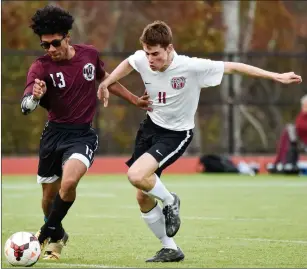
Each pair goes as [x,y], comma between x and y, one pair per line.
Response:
[175,92]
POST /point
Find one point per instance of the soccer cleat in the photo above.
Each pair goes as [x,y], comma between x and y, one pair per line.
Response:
[54,248]
[172,218]
[167,255]
[45,241]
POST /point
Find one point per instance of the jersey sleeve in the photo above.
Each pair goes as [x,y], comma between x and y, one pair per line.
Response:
[209,73]
[35,71]
[136,59]
[100,72]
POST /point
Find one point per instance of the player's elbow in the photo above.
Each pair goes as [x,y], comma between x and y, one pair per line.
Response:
[231,67]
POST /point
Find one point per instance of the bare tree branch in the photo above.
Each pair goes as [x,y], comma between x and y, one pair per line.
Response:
[256,124]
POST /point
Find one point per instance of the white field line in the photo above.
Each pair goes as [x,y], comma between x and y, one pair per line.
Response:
[106,216]
[188,218]
[267,240]
[73,265]
[84,194]
[187,184]
[235,185]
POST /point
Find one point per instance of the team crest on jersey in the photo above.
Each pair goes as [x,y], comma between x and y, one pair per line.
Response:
[89,71]
[178,82]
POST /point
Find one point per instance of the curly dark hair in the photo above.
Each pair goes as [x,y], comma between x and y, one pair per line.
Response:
[51,20]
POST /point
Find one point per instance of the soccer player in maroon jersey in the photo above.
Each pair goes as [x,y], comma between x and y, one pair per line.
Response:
[63,82]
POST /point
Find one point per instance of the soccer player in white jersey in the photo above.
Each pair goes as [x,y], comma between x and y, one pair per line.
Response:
[174,83]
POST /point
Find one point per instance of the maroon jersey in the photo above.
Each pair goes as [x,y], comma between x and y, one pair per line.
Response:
[71,93]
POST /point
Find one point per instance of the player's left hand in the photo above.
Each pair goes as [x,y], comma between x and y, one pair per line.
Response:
[103,94]
[144,103]
[289,78]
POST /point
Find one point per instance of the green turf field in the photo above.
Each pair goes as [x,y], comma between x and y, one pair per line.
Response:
[227,221]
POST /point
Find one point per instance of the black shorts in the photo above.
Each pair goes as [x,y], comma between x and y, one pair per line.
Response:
[166,146]
[59,142]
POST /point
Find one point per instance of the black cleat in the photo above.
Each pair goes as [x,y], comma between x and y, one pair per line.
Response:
[172,218]
[167,255]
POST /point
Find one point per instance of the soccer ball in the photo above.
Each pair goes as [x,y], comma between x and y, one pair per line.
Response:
[22,249]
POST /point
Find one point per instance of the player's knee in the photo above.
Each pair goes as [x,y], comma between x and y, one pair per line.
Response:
[69,184]
[135,176]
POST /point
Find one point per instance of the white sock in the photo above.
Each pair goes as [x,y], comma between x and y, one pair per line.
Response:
[156,222]
[159,191]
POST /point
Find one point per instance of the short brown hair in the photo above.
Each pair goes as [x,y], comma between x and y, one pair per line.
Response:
[157,33]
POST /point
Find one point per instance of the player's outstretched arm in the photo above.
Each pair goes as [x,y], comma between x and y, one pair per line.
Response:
[249,70]
[120,91]
[122,70]
[30,101]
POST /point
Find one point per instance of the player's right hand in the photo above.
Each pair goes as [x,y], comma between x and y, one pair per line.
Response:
[39,89]
[289,78]
[144,103]
[103,93]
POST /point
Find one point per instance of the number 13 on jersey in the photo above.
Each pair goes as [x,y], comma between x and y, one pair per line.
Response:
[162,97]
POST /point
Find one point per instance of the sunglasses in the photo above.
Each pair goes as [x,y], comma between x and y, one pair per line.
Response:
[55,43]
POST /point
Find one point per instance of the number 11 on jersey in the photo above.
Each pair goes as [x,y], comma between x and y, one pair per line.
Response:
[162,97]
